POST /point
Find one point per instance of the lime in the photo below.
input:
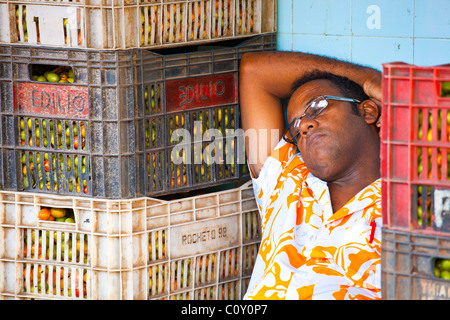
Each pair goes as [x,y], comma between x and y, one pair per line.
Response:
[445,275]
[42,78]
[69,220]
[437,272]
[446,86]
[446,264]
[53,77]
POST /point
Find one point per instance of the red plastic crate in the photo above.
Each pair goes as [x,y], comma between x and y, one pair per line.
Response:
[415,148]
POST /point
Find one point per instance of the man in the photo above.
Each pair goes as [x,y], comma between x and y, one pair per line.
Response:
[317,184]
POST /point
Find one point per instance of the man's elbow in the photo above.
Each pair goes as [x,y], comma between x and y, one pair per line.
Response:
[247,63]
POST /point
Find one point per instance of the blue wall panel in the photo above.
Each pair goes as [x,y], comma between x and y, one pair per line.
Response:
[369,32]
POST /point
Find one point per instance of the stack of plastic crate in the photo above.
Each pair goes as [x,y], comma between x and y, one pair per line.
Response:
[415,154]
[133,123]
[200,247]
[105,107]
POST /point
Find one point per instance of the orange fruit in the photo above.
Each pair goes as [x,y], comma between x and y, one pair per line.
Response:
[85,247]
[83,131]
[44,214]
[33,249]
[54,277]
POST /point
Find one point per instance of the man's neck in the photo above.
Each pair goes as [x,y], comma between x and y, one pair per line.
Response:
[345,188]
[340,194]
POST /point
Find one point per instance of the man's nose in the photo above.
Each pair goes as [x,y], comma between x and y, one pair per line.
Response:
[306,124]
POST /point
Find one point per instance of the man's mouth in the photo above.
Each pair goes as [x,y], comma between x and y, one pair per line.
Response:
[312,139]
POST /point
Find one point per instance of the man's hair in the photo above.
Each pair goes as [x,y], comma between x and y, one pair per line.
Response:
[348,88]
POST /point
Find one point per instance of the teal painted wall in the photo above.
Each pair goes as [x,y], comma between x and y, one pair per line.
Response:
[368,32]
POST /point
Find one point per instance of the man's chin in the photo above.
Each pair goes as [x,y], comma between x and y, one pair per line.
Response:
[322,172]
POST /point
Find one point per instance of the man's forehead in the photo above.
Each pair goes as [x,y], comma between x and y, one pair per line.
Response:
[306,93]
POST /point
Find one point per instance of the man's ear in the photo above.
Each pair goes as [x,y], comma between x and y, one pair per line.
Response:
[370,110]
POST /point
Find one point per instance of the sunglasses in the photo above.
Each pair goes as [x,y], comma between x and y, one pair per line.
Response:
[313,109]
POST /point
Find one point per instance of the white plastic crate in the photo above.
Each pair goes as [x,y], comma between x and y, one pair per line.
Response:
[132,24]
[201,247]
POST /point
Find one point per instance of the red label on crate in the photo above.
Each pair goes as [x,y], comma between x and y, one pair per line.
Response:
[54,100]
[200,92]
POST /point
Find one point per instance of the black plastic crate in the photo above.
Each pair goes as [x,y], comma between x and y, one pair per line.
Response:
[410,266]
[128,103]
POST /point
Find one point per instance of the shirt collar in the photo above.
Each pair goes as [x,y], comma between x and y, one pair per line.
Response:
[363,199]
[320,192]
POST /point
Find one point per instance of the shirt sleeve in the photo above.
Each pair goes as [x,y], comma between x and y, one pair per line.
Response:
[265,183]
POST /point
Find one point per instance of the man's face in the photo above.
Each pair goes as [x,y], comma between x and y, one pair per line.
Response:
[332,142]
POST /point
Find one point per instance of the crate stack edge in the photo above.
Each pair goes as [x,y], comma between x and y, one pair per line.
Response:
[100,147]
[415,172]
[131,24]
[201,247]
[127,105]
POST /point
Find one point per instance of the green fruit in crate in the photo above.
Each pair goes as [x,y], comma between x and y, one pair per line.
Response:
[445,87]
[25,183]
[445,265]
[53,77]
[445,275]
[442,268]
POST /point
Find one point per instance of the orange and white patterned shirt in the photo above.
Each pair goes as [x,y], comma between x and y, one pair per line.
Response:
[307,251]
